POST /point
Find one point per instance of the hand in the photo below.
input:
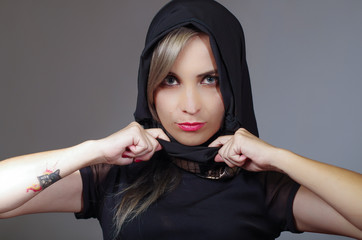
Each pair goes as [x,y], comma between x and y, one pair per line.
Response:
[132,143]
[245,150]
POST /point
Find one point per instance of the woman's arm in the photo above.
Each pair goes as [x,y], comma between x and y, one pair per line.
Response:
[63,196]
[328,194]
[24,177]
[341,189]
[312,214]
[27,181]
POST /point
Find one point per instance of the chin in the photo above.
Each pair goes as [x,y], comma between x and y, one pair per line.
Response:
[191,140]
[191,143]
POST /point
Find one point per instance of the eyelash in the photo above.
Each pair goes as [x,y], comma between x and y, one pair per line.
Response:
[215,80]
[169,77]
[205,78]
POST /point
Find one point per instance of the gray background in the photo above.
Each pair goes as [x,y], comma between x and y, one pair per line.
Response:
[68,73]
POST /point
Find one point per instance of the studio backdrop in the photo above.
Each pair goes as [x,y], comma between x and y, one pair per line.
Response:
[68,73]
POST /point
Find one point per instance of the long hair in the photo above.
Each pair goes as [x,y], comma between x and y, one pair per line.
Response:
[158,176]
[163,58]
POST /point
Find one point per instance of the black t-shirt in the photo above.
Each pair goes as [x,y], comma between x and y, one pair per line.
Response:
[248,206]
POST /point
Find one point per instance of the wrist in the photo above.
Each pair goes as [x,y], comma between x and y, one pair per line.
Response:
[89,152]
[280,159]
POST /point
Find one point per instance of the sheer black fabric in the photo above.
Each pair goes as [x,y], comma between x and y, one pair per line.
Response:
[195,153]
[248,206]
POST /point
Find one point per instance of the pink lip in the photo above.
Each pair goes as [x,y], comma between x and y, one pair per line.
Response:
[190,127]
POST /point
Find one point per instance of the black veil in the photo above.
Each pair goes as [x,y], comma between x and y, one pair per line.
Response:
[228,46]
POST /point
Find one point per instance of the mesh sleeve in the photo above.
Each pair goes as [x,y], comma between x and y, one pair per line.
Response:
[280,192]
[92,179]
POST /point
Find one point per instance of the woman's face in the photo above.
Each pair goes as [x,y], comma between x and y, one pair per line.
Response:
[188,101]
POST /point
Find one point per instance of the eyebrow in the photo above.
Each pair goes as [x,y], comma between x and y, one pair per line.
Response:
[211,72]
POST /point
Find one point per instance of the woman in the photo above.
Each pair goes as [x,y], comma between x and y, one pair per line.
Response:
[198,100]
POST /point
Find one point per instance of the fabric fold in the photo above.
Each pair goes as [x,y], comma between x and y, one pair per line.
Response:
[198,154]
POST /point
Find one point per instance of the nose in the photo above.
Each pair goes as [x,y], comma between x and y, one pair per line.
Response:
[190,100]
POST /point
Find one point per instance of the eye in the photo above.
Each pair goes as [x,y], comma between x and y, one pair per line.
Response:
[170,81]
[210,80]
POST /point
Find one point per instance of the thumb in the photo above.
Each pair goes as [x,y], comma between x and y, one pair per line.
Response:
[220,141]
[218,158]
[158,133]
[158,148]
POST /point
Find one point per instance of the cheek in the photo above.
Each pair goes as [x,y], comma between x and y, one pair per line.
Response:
[218,113]
[163,104]
[219,110]
[215,105]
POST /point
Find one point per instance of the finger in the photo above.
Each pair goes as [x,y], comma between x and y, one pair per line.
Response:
[137,148]
[250,166]
[229,163]
[128,154]
[152,147]
[224,150]
[220,141]
[158,148]
[141,145]
[235,155]
[158,133]
[124,161]
[238,160]
[230,155]
[144,157]
[218,158]
[222,156]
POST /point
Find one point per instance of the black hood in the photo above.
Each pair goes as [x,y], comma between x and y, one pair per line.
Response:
[228,46]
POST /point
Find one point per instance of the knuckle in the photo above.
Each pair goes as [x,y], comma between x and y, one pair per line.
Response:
[132,124]
[241,131]
[135,125]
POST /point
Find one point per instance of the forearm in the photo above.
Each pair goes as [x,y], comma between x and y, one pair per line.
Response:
[340,188]
[23,177]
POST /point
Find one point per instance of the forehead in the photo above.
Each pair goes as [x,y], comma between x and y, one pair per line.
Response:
[195,56]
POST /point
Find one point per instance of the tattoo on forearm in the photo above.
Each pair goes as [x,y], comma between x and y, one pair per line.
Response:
[45,180]
[48,179]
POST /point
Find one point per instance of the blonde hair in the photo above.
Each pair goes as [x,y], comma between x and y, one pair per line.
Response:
[163,58]
[157,177]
